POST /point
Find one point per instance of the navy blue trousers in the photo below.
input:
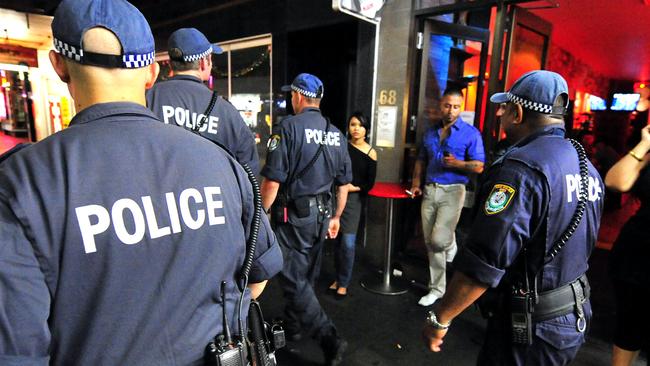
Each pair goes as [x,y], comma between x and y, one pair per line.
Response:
[301,241]
[555,342]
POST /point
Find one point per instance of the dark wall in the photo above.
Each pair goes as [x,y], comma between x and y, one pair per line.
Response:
[336,47]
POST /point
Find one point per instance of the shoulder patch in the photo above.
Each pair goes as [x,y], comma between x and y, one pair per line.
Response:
[273,143]
[499,198]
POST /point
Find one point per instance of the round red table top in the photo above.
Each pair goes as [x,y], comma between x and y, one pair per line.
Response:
[388,190]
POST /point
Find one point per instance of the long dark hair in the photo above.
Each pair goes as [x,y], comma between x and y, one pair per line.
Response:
[363,120]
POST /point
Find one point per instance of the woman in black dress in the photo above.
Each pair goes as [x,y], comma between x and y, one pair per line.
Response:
[364,168]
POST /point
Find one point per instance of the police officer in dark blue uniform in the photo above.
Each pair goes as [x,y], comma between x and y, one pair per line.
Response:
[113,240]
[183,99]
[306,155]
[531,238]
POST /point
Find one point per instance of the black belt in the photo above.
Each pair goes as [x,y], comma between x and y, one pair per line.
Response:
[562,300]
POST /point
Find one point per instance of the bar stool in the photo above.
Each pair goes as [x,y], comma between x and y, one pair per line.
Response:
[386,284]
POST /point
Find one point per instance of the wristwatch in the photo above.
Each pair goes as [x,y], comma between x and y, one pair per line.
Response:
[432,320]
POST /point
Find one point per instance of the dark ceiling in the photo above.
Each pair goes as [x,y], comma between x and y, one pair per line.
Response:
[612,36]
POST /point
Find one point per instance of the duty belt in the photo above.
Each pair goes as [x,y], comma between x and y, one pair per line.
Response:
[562,301]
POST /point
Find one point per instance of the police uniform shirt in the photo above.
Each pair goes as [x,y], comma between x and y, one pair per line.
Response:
[295,142]
[533,190]
[183,99]
[113,243]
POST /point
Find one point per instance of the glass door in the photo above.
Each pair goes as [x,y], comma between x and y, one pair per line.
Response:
[452,56]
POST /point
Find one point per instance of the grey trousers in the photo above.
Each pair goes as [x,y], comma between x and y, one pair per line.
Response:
[441,208]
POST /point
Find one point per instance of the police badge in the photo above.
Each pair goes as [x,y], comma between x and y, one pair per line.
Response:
[499,198]
[273,143]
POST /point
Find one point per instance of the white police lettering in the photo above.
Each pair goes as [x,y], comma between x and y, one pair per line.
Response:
[573,188]
[131,220]
[184,117]
[321,138]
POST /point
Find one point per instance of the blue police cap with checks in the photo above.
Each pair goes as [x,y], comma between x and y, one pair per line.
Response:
[537,91]
[192,44]
[74,17]
[307,85]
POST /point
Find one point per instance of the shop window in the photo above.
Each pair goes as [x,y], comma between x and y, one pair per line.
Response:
[242,75]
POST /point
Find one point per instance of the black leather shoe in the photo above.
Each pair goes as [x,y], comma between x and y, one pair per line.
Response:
[333,350]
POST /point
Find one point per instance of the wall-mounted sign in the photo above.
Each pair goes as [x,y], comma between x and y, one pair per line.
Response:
[18,55]
[364,9]
[386,124]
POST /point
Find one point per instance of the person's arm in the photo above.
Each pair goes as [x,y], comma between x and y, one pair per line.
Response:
[257,288]
[469,166]
[268,190]
[371,173]
[341,200]
[352,188]
[461,293]
[417,174]
[622,176]
[25,301]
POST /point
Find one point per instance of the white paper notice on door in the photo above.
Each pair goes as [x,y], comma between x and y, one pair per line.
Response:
[386,124]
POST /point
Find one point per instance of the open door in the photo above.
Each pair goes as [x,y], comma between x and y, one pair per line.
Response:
[451,56]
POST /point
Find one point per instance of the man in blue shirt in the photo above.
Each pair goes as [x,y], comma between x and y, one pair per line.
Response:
[450,151]
[537,223]
[113,240]
[183,99]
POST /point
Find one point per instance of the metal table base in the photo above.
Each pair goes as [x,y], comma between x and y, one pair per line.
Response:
[386,284]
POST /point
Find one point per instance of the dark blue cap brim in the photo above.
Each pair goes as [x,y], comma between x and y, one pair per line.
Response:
[216,49]
[499,98]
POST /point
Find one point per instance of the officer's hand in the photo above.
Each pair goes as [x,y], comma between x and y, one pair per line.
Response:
[645,133]
[433,337]
[415,191]
[333,229]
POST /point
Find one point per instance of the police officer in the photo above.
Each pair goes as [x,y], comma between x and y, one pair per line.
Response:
[306,155]
[113,243]
[529,240]
[183,99]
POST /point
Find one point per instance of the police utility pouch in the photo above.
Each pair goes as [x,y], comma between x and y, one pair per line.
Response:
[521,319]
[302,206]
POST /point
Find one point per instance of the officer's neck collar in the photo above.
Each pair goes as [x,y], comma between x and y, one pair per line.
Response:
[186,77]
[552,130]
[310,109]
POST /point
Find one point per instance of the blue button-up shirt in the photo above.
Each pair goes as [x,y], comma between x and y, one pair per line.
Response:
[464,142]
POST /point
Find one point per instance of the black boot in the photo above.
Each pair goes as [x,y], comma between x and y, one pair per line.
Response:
[333,349]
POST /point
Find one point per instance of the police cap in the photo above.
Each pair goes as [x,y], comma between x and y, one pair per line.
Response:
[192,44]
[74,17]
[307,85]
[537,91]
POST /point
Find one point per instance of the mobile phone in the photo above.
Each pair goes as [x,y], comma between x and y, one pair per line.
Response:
[446,153]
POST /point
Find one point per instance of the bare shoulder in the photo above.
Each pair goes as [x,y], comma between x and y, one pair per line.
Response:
[372,153]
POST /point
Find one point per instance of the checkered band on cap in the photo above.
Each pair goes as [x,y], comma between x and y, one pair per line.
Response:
[138,60]
[305,92]
[533,106]
[129,61]
[190,58]
[68,50]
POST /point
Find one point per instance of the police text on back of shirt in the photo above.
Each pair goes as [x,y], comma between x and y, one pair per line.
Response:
[189,119]
[315,136]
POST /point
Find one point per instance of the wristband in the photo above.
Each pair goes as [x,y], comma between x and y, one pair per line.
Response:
[634,155]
